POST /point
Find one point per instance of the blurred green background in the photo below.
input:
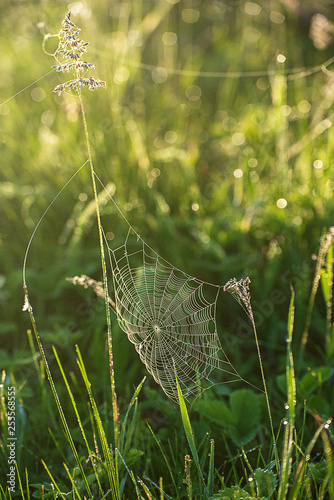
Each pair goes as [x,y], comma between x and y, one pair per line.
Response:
[215,132]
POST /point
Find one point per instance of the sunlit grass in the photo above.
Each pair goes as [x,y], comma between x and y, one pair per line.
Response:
[218,149]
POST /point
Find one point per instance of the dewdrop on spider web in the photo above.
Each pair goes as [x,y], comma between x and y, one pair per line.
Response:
[69,54]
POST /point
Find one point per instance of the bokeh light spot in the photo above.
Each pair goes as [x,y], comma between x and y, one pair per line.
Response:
[238,138]
[252,8]
[330,185]
[169,38]
[251,35]
[190,15]
[121,75]
[276,17]
[171,136]
[304,106]
[159,75]
[285,110]
[110,236]
[193,92]
[83,197]
[38,94]
[281,203]
[252,162]
[238,173]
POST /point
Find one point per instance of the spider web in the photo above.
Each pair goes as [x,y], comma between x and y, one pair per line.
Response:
[169,316]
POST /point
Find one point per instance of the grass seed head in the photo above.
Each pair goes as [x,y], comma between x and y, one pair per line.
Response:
[69,56]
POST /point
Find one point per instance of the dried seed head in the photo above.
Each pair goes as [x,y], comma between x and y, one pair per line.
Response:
[240,291]
[77,84]
[68,56]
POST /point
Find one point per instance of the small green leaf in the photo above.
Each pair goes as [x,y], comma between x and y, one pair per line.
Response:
[265,482]
[132,456]
[319,404]
[312,380]
[234,493]
[245,406]
[318,472]
[216,411]
[243,403]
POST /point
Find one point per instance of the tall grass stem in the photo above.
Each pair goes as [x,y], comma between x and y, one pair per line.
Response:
[289,423]
[105,278]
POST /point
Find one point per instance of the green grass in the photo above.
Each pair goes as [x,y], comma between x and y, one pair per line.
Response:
[199,133]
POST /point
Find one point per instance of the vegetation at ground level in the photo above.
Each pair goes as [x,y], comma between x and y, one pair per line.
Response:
[215,137]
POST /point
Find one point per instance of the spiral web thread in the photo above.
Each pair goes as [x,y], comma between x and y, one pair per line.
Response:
[169,316]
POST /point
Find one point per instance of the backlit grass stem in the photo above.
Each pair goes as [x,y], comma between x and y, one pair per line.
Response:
[69,58]
[28,307]
[105,277]
[289,422]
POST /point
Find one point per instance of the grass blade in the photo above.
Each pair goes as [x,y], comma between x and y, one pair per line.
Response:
[325,242]
[290,406]
[211,467]
[53,389]
[159,487]
[111,462]
[132,402]
[54,484]
[79,423]
[189,432]
[130,474]
[298,481]
[164,456]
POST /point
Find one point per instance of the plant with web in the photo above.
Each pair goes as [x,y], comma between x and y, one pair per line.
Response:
[168,315]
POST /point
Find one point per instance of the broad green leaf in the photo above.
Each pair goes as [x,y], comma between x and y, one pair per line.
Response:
[265,482]
[319,404]
[216,411]
[245,406]
[242,402]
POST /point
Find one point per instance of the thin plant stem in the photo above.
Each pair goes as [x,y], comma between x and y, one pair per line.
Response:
[70,49]
[326,241]
[105,278]
[81,427]
[328,295]
[240,291]
[314,290]
[289,423]
[28,307]
[265,389]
